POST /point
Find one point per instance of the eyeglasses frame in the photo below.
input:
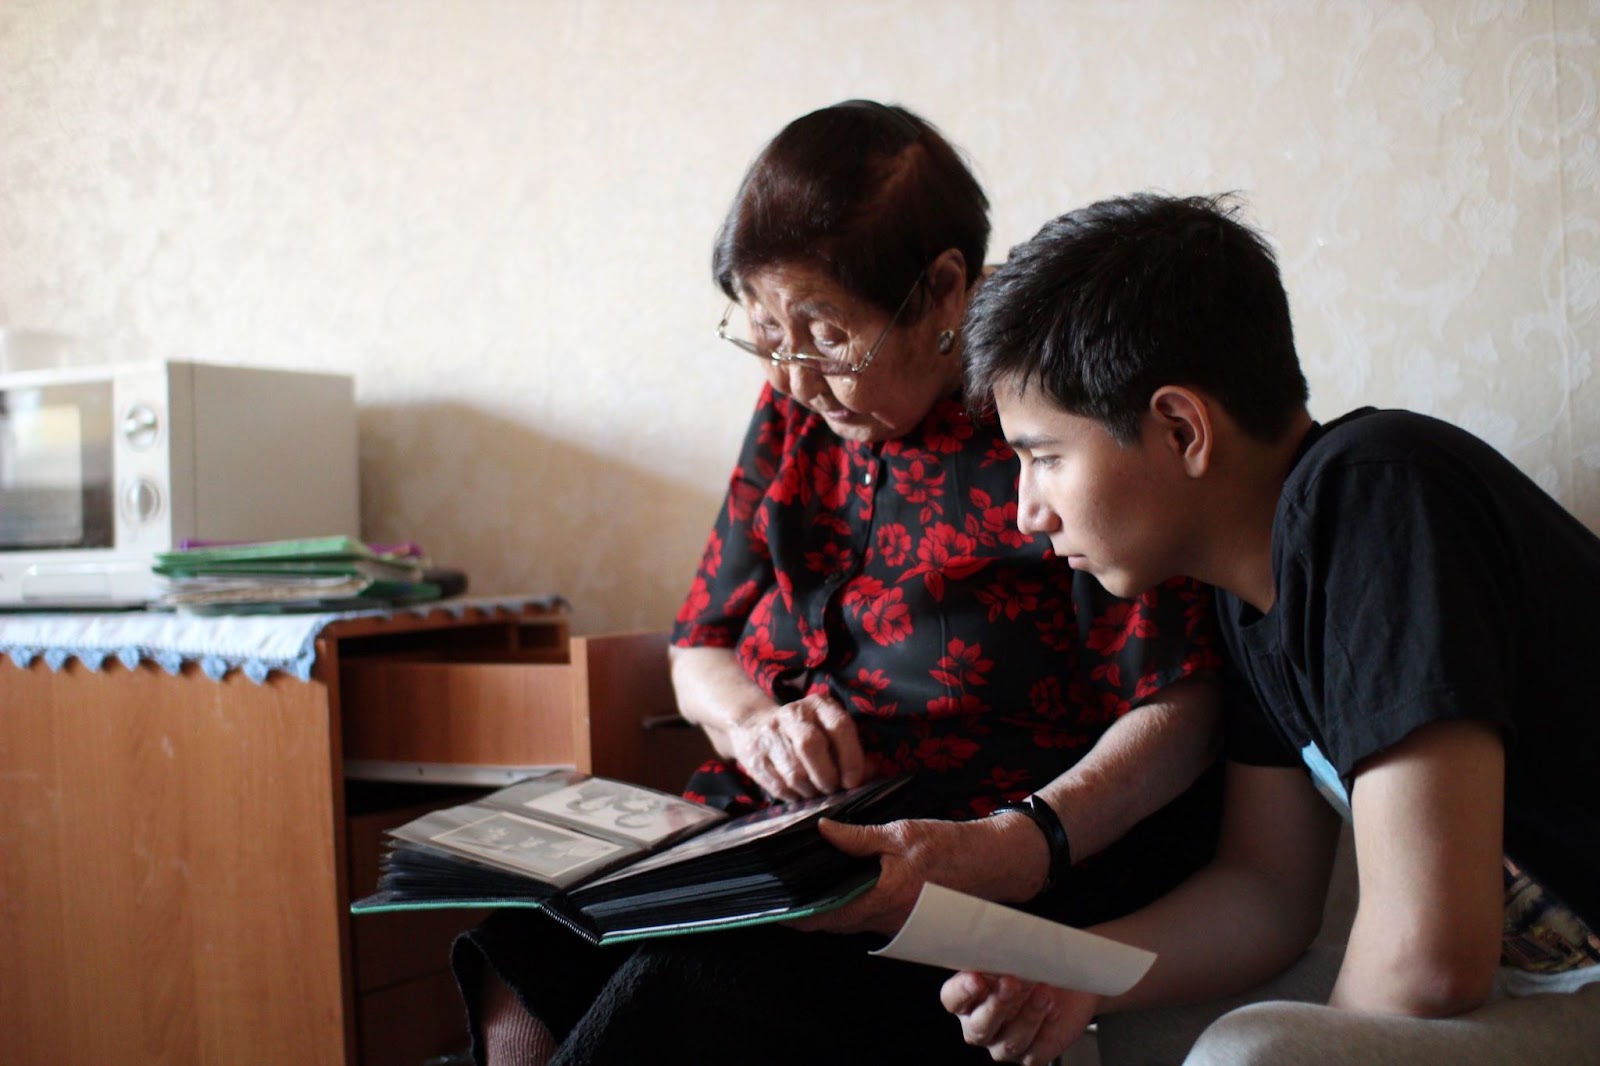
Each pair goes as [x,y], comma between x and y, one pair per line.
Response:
[829,367]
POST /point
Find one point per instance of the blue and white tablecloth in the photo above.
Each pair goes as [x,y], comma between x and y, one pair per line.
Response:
[254,644]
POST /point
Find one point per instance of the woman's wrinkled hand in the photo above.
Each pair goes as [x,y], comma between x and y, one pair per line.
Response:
[978,857]
[802,749]
[1015,1020]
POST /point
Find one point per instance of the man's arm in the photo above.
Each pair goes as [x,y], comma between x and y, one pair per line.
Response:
[1254,908]
[1428,816]
[1242,918]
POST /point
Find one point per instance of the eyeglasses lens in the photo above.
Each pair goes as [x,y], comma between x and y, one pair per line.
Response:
[735,329]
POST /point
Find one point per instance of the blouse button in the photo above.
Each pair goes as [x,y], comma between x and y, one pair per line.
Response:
[866,479]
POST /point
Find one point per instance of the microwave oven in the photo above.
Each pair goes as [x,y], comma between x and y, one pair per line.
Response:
[101,467]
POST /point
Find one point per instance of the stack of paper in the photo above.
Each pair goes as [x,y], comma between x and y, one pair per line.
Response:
[314,574]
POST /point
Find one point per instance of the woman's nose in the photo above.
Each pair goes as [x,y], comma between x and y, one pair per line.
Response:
[804,383]
[797,380]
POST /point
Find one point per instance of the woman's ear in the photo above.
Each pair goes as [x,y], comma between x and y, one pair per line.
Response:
[1183,418]
[947,276]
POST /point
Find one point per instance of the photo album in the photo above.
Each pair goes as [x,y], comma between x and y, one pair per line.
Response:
[614,861]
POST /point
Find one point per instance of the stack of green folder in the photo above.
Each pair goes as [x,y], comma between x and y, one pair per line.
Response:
[311,574]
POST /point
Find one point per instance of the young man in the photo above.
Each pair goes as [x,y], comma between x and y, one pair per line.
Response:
[1409,616]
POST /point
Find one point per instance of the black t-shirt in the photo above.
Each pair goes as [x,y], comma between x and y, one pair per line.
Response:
[1420,576]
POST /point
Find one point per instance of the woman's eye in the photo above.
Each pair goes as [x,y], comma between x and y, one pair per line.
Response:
[829,342]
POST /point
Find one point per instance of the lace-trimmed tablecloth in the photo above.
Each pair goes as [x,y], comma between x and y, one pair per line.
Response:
[254,644]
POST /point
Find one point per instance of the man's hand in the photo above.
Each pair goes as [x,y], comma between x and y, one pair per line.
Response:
[1002,859]
[1016,1020]
[802,749]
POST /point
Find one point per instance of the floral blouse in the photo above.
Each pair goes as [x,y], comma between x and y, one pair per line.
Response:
[892,577]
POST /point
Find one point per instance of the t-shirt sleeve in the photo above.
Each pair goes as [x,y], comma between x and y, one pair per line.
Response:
[1407,614]
[1248,737]
[735,570]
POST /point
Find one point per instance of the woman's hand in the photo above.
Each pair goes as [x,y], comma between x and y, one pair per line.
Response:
[1016,1020]
[794,751]
[1001,859]
[802,749]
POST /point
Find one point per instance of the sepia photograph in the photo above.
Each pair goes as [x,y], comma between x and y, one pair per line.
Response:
[635,813]
[547,851]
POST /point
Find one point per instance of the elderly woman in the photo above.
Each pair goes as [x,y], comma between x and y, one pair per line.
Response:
[867,606]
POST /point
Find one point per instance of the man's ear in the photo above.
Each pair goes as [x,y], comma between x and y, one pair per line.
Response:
[1183,421]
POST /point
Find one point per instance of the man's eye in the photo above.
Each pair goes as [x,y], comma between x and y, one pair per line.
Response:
[1044,462]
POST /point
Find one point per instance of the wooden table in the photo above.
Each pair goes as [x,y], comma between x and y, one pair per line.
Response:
[178,850]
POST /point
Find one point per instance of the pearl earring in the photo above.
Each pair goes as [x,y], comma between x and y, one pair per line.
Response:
[947,341]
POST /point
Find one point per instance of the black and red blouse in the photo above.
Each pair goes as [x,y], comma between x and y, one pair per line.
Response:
[892,577]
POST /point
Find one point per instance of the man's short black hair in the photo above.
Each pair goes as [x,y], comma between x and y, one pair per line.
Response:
[1110,302]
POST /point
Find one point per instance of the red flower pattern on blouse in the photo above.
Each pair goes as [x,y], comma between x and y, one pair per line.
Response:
[948,428]
[697,601]
[761,658]
[1045,697]
[894,544]
[990,523]
[945,753]
[1120,623]
[831,476]
[742,498]
[742,600]
[1110,673]
[962,665]
[887,617]
[922,482]
[1008,785]
[793,483]
[1010,596]
[831,558]
[945,552]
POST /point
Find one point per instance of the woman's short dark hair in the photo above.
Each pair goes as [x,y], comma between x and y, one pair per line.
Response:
[1110,302]
[867,192]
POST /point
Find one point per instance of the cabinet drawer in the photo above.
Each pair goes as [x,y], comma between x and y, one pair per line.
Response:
[395,947]
[409,1024]
[603,705]
[475,713]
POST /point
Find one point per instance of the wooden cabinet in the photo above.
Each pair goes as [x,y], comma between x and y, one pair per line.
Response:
[180,852]
[406,1006]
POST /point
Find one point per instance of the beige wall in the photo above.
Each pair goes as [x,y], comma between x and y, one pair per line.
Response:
[497,215]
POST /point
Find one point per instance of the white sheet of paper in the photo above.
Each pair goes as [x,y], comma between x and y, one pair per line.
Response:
[961,932]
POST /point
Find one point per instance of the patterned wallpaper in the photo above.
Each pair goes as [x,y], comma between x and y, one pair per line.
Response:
[497,215]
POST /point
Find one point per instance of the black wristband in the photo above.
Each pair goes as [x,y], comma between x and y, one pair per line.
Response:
[1055,835]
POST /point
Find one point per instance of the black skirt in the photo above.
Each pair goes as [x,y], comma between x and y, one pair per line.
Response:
[766,995]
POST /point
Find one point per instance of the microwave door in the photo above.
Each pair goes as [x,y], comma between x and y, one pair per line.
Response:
[55,467]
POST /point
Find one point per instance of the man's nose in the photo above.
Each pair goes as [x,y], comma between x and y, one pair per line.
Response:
[1033,514]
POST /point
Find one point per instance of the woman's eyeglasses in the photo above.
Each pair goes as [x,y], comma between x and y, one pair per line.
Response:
[822,364]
